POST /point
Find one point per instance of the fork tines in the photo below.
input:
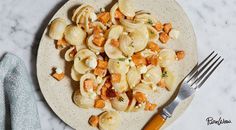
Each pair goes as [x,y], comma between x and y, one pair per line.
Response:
[202,71]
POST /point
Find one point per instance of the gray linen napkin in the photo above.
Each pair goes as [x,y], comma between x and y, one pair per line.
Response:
[16,93]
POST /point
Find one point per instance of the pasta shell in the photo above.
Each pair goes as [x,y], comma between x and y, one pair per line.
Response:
[126,45]
[101,85]
[74,35]
[133,77]
[120,103]
[111,51]
[153,74]
[67,54]
[140,38]
[122,86]
[78,11]
[170,79]
[117,66]
[115,32]
[109,120]
[82,79]
[82,101]
[145,18]
[153,34]
[143,88]
[75,75]
[130,25]
[167,57]
[112,13]
[79,61]
[126,8]
[92,46]
[57,28]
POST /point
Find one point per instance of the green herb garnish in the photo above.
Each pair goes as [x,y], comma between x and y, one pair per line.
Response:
[149,21]
[164,74]
[121,59]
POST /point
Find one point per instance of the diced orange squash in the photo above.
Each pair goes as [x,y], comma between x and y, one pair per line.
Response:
[104,17]
[164,37]
[159,26]
[99,71]
[138,59]
[97,30]
[150,107]
[104,93]
[107,85]
[115,43]
[99,103]
[153,60]
[61,43]
[140,97]
[180,55]
[102,64]
[115,78]
[93,121]
[99,41]
[162,83]
[118,14]
[153,46]
[58,77]
[167,27]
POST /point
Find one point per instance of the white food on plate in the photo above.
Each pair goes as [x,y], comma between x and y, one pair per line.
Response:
[109,120]
[57,28]
[74,35]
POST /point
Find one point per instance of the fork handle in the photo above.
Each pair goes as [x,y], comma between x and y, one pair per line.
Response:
[156,122]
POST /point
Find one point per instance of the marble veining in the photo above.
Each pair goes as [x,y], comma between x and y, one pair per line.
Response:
[22,24]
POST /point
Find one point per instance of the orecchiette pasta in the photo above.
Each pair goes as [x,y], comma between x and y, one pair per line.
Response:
[167,57]
[82,79]
[115,32]
[112,51]
[75,75]
[68,57]
[126,45]
[126,7]
[153,74]
[120,103]
[82,101]
[94,47]
[117,66]
[57,28]
[74,35]
[122,86]
[112,13]
[133,77]
[109,120]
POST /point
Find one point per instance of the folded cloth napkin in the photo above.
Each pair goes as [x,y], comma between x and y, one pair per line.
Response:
[17,104]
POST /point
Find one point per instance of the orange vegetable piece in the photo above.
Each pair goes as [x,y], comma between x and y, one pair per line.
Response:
[99,103]
[99,41]
[115,43]
[58,77]
[104,17]
[159,26]
[150,107]
[93,121]
[97,30]
[138,59]
[102,64]
[104,93]
[162,83]
[140,97]
[99,71]
[88,84]
[167,27]
[115,78]
[180,55]
[118,14]
[153,46]
[164,37]
[153,60]
[61,43]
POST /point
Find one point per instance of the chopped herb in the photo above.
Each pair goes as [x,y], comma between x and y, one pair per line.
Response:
[150,21]
[121,59]
[121,99]
[151,32]
[164,74]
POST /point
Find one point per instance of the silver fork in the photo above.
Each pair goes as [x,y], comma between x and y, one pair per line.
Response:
[192,82]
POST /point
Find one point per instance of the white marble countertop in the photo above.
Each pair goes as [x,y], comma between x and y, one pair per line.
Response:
[22,23]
